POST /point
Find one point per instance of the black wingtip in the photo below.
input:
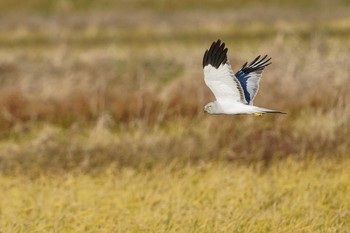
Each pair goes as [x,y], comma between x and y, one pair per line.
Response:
[259,63]
[215,55]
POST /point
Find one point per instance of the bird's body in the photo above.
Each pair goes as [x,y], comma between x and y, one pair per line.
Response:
[236,108]
[234,92]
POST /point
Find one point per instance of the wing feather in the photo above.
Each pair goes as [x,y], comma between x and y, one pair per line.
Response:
[219,77]
[249,77]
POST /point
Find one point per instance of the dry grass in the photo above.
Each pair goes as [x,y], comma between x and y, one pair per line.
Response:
[290,196]
[102,129]
[148,106]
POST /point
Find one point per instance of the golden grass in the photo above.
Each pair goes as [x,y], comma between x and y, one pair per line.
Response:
[102,128]
[289,196]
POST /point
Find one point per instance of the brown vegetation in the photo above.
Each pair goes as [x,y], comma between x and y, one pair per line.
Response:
[102,126]
[130,119]
[76,94]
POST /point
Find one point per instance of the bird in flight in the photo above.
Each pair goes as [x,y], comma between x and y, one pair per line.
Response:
[234,92]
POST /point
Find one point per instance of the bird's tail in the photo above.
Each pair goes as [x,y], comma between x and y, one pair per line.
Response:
[265,110]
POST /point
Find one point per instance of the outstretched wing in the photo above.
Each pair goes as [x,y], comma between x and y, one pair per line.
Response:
[249,77]
[218,75]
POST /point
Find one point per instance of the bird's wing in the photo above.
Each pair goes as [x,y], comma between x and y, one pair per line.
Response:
[249,77]
[218,75]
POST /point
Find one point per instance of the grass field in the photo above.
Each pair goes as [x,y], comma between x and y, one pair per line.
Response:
[102,127]
[289,196]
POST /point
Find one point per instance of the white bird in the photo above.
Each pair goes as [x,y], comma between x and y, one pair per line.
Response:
[234,92]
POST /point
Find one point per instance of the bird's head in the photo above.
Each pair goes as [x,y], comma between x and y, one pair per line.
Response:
[209,108]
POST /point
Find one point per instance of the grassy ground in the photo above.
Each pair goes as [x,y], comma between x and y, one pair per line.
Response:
[289,196]
[102,128]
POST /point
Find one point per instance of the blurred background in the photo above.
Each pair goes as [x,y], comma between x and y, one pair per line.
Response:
[90,86]
[87,83]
